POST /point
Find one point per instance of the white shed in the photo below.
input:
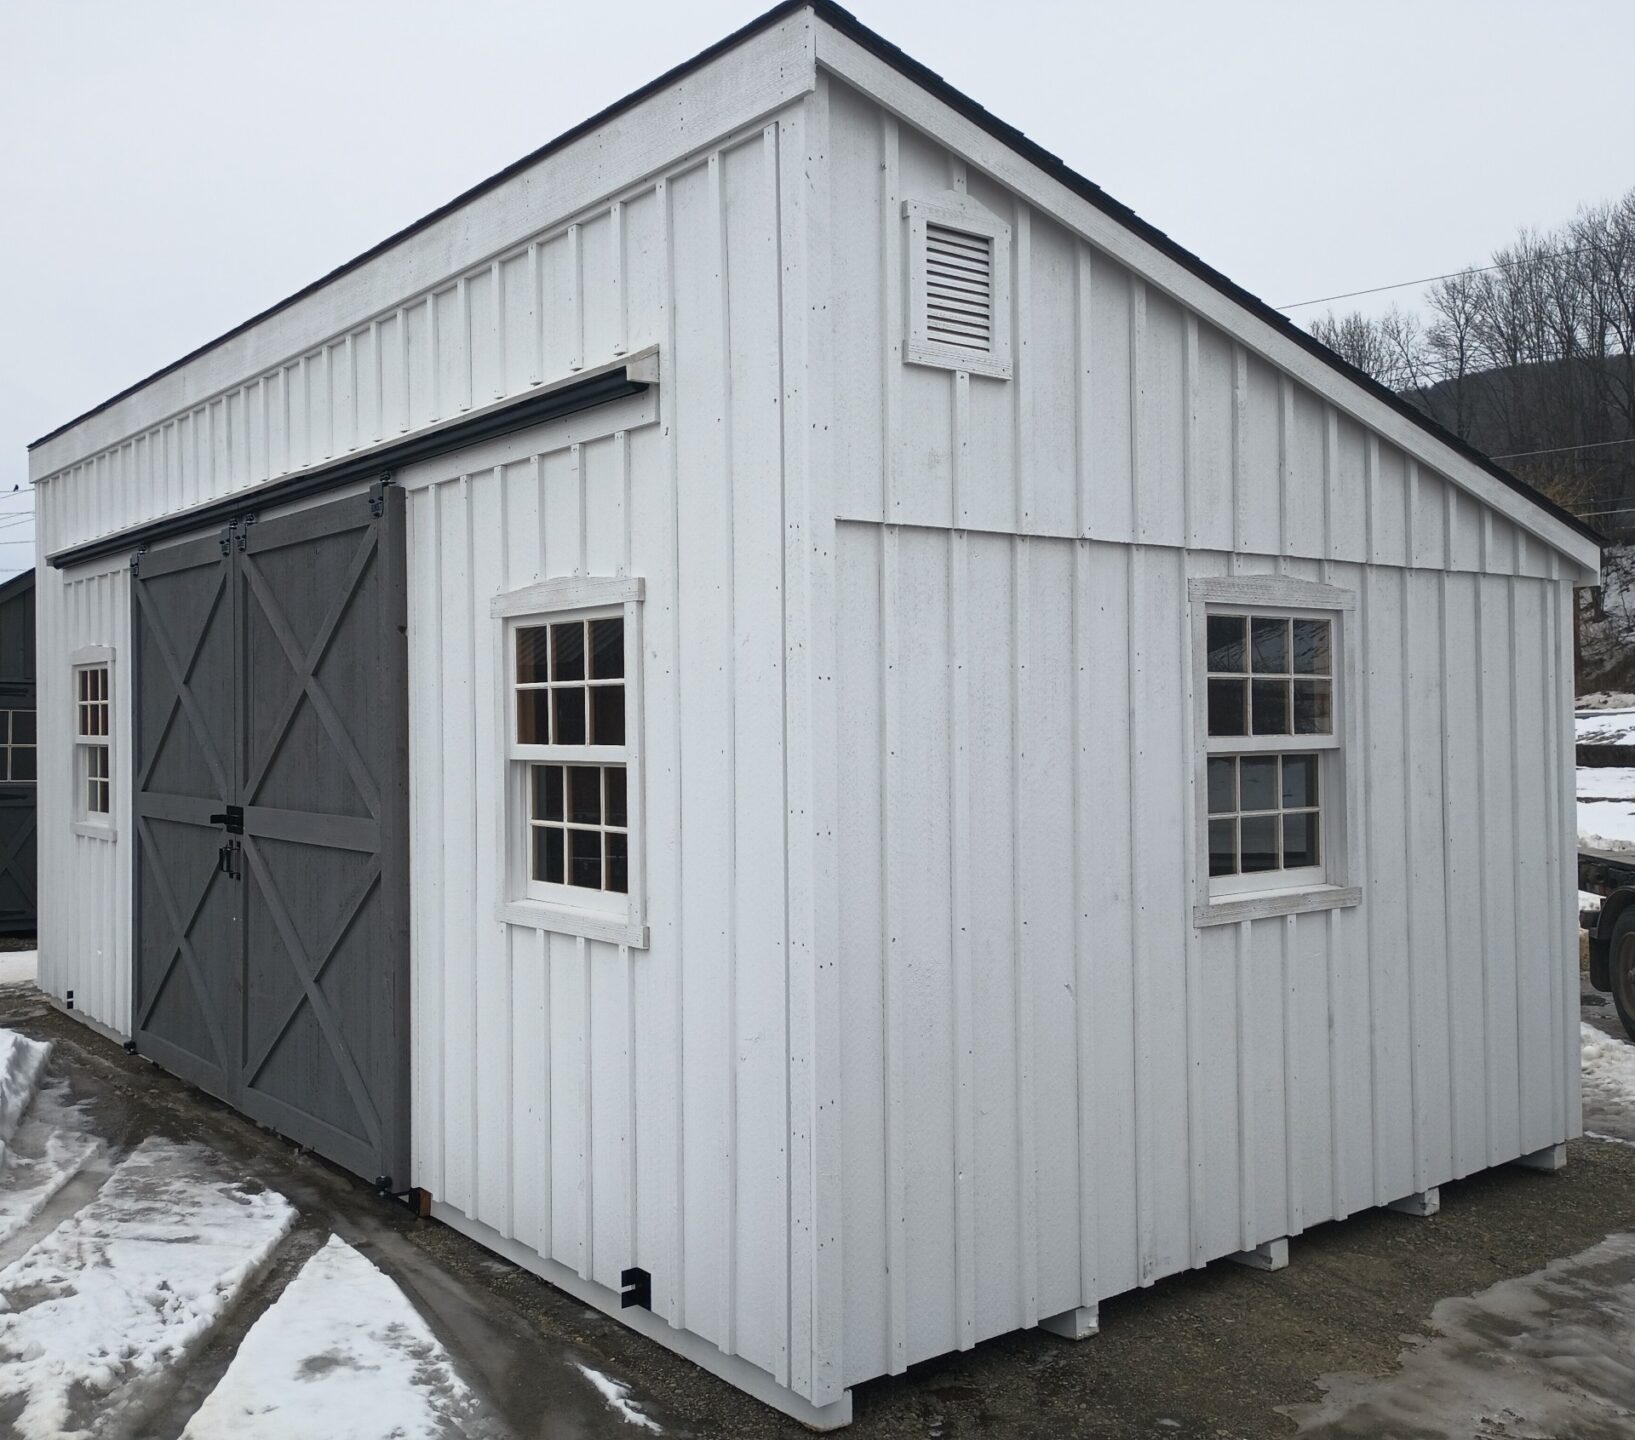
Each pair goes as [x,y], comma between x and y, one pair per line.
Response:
[805,724]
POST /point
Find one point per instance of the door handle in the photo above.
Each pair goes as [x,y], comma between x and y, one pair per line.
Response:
[227,860]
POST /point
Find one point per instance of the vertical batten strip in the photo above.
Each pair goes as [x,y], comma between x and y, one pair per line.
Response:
[1293,1083]
[1189,443]
[1517,839]
[1561,1026]
[536,326]
[1416,1076]
[892,1038]
[576,292]
[1084,821]
[1248,1220]
[587,1136]
[959,924]
[1449,832]
[1135,557]
[1021,387]
[617,277]
[891,316]
[547,1156]
[1192,1001]
[406,419]
[1138,405]
[497,286]
[961,447]
[468,358]
[1240,443]
[1083,398]
[1027,1178]
[576,488]
[1285,464]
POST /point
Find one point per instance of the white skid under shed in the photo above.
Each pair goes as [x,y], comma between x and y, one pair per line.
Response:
[804,722]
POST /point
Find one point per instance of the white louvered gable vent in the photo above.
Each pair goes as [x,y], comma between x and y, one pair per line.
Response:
[958,286]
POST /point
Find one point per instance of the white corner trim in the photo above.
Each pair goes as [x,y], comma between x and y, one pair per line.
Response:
[574,592]
[536,915]
[1287,902]
[1280,592]
[914,105]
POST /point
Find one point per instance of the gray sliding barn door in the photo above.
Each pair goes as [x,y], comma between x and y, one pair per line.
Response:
[313,857]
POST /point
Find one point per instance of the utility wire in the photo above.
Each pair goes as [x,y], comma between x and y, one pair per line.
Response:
[1432,279]
[1563,449]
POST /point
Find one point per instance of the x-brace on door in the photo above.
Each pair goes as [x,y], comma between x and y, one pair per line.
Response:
[272,829]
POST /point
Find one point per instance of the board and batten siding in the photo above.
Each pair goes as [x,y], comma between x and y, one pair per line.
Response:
[85,879]
[601,1105]
[1055,1087]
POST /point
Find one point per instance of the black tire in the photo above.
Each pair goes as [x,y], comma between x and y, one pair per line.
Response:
[1621,967]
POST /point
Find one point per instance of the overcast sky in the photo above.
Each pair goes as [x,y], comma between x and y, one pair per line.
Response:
[170,167]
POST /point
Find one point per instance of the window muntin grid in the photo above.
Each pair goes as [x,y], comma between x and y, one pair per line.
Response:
[570,682]
[579,826]
[1265,813]
[17,746]
[1269,674]
[93,715]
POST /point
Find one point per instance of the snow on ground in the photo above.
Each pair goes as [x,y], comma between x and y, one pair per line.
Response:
[617,1394]
[19,967]
[1609,1084]
[51,1146]
[128,1284]
[1606,807]
[1548,1354]
[22,1063]
[342,1354]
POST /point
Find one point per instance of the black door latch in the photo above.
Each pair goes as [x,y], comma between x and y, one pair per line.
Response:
[232,819]
[227,860]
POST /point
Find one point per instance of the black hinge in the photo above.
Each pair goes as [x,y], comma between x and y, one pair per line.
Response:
[377,495]
[638,1289]
[227,861]
[227,537]
[243,523]
[136,561]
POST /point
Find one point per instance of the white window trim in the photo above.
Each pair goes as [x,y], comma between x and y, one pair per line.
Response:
[93,826]
[1332,885]
[958,212]
[565,909]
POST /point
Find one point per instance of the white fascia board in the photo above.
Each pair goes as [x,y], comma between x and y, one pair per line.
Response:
[769,71]
[916,106]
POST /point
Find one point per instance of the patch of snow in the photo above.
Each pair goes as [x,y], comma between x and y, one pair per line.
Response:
[1609,1083]
[342,1354]
[1588,900]
[1547,1354]
[19,967]
[125,1287]
[1605,700]
[617,1394]
[50,1147]
[22,1063]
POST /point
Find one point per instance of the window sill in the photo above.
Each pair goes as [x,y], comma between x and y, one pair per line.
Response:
[92,831]
[564,921]
[1229,909]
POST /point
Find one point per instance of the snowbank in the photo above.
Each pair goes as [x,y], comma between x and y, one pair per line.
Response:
[22,1063]
[19,967]
[342,1354]
[617,1394]
[128,1285]
[1609,1084]
[1606,808]
[50,1147]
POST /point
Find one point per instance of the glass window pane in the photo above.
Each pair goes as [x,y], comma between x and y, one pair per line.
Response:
[1260,849]
[1226,707]
[1300,839]
[22,727]
[568,651]
[548,854]
[569,707]
[531,717]
[585,794]
[1227,650]
[1313,707]
[614,783]
[547,792]
[1258,779]
[1223,784]
[1223,847]
[1271,706]
[618,863]
[102,682]
[1311,647]
[607,715]
[531,656]
[22,763]
[585,858]
[1299,782]
[1269,640]
[607,649]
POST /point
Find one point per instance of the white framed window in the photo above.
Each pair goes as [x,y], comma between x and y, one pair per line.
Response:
[1271,721]
[570,658]
[92,694]
[18,746]
[958,286]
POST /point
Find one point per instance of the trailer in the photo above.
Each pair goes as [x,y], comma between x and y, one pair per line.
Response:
[1611,926]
